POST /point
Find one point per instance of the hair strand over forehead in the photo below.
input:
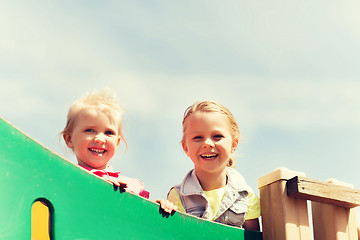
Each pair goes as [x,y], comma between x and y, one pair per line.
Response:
[212,107]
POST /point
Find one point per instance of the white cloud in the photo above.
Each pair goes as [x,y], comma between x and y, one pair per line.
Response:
[293,104]
[17,101]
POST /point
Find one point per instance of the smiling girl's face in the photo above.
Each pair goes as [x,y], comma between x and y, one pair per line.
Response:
[208,142]
[94,138]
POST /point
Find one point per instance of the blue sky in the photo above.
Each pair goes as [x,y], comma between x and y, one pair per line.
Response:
[289,72]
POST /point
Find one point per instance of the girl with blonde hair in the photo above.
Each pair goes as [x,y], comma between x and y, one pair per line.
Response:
[93,131]
[214,190]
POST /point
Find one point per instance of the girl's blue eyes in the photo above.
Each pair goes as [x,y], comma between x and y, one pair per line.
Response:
[109,133]
[106,132]
[215,137]
[218,136]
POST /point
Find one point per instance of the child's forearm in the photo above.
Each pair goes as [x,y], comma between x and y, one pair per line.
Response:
[252,224]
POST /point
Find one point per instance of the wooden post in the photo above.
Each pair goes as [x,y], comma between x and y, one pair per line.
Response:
[333,222]
[283,217]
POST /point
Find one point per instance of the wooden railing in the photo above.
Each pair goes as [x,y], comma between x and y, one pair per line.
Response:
[284,195]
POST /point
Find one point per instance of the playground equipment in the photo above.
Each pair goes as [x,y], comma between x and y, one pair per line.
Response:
[79,205]
[283,198]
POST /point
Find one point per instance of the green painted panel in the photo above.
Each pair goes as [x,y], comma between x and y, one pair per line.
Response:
[85,207]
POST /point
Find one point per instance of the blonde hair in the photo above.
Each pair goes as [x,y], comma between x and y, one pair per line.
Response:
[104,101]
[214,107]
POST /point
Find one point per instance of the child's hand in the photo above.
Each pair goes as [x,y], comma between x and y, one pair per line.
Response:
[116,181]
[166,205]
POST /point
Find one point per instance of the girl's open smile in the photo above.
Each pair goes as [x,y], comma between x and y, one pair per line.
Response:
[209,155]
[97,150]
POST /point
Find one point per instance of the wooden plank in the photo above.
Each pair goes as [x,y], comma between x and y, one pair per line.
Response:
[266,213]
[328,193]
[332,222]
[352,227]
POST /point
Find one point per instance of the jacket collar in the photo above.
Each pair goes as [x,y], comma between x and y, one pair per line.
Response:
[191,184]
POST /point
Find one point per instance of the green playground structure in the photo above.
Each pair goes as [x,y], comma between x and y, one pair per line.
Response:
[82,206]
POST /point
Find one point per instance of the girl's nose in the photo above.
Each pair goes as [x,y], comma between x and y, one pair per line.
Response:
[100,138]
[208,142]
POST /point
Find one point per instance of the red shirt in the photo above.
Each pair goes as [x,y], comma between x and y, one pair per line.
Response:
[134,185]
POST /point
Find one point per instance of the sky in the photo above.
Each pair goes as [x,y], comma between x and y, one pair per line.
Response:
[287,70]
